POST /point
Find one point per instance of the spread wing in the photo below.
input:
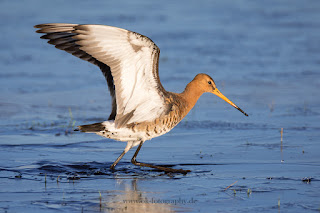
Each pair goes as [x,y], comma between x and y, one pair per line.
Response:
[128,60]
[61,35]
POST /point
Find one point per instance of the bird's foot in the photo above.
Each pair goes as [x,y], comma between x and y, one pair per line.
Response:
[182,171]
[161,168]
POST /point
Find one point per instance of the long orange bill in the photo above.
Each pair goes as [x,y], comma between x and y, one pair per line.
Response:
[220,95]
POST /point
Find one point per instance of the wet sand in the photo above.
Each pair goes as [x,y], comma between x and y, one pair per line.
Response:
[263,56]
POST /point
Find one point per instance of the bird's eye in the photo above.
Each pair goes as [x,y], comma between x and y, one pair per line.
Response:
[209,82]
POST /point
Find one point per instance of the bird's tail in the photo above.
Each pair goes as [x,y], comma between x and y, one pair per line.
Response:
[96,127]
[107,129]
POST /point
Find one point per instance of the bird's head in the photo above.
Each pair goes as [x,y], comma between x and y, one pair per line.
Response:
[207,84]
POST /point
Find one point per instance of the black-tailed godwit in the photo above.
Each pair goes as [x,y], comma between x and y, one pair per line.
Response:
[141,108]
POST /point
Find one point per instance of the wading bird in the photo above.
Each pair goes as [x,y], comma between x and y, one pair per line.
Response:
[141,108]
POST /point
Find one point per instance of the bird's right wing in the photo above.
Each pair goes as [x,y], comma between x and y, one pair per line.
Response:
[61,35]
[133,59]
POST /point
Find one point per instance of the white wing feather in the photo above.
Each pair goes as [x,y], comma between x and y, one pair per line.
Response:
[132,59]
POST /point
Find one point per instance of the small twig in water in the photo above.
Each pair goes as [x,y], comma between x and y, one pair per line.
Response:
[271,106]
[230,185]
[100,197]
[281,146]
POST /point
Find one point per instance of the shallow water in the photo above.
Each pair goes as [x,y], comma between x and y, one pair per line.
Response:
[263,56]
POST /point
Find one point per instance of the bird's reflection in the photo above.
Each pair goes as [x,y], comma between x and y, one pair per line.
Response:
[130,199]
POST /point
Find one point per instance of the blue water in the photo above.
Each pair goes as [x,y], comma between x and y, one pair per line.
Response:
[264,56]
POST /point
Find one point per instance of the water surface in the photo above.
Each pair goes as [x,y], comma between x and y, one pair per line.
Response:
[264,56]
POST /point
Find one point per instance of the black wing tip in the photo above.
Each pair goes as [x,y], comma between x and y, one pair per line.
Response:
[52,27]
[39,25]
[43,25]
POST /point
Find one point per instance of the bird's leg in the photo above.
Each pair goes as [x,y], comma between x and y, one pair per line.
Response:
[128,147]
[165,169]
[117,161]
